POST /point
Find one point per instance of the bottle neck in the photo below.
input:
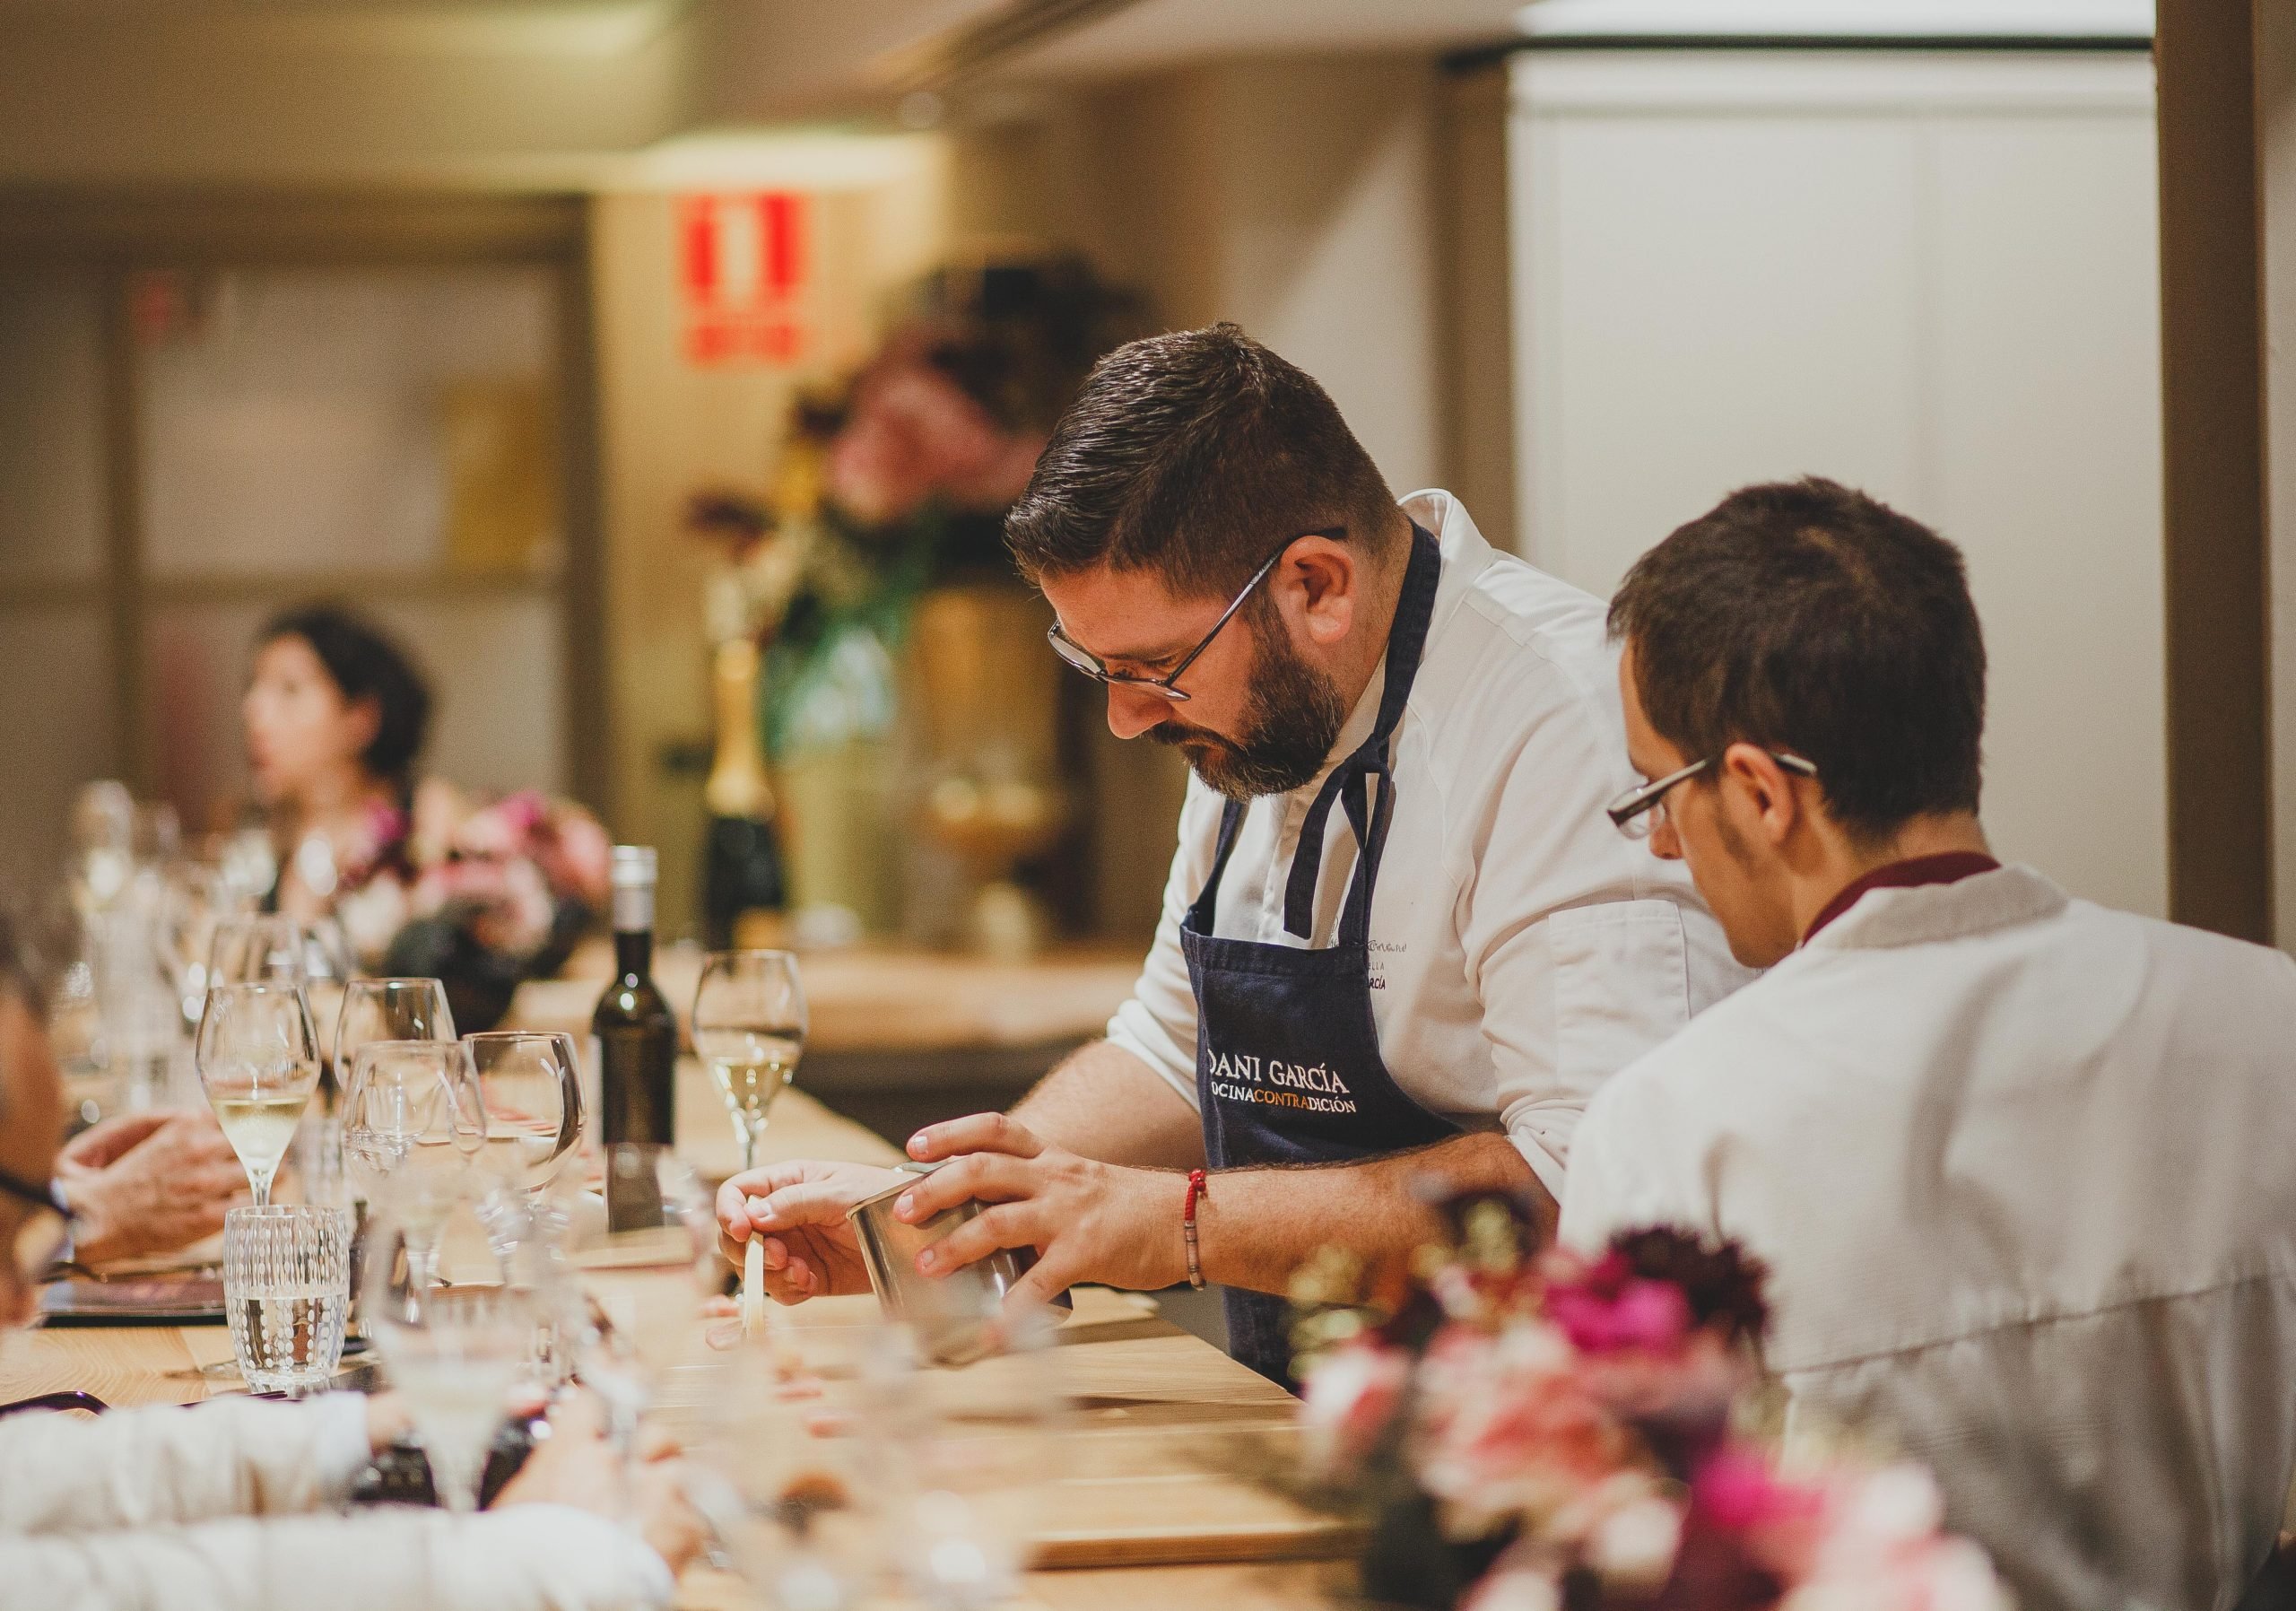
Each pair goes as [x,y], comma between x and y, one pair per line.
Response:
[633,952]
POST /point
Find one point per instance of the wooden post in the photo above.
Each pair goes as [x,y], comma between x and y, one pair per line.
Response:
[2220,795]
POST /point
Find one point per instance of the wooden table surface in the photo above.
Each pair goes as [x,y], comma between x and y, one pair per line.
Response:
[1122,1368]
[881,1000]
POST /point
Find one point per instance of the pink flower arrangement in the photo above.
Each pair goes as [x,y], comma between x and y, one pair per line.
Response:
[505,868]
[1566,1420]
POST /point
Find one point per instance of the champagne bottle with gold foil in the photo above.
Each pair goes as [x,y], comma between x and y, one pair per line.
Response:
[743,878]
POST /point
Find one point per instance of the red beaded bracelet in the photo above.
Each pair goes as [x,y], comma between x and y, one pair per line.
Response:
[1196,1188]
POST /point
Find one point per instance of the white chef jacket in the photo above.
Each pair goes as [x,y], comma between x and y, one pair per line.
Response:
[2024,1173]
[1522,948]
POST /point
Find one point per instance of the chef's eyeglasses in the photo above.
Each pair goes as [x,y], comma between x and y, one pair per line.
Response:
[42,1237]
[1085,661]
[1640,809]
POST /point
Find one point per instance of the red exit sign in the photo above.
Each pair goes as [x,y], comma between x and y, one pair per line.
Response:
[744,269]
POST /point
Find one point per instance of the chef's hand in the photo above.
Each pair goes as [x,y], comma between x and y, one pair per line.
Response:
[799,1208]
[148,1183]
[1088,1221]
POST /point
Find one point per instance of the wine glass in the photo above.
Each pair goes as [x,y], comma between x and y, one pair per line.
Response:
[258,1061]
[388,1009]
[454,1352]
[326,973]
[794,1498]
[412,1126]
[532,1088]
[749,1025]
[245,950]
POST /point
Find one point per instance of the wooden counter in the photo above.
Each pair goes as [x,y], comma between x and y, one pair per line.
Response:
[1210,1538]
[899,1038]
[884,1000]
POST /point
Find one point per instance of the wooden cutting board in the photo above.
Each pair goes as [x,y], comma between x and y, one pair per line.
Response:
[1162,1450]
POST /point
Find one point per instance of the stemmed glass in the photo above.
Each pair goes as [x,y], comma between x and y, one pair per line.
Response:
[326,973]
[246,949]
[412,1126]
[532,1089]
[455,1353]
[388,1009]
[258,1061]
[749,1025]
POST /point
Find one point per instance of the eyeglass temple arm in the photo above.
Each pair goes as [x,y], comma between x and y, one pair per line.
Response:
[1228,613]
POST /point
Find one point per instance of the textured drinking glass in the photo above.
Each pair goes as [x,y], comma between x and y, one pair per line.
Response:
[287,1290]
[749,1025]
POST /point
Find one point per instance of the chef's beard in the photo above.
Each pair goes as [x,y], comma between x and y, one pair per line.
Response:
[1291,718]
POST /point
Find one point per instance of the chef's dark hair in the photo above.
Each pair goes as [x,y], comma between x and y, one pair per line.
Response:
[1806,616]
[1193,455]
[365,665]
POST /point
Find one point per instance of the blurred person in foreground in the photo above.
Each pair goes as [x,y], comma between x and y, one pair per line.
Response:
[143,1183]
[2021,1166]
[1400,945]
[225,1505]
[425,882]
[138,1183]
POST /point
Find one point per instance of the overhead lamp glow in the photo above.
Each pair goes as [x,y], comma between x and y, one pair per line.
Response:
[796,159]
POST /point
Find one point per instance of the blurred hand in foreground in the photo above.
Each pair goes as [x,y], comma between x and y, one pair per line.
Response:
[149,1182]
[576,1466]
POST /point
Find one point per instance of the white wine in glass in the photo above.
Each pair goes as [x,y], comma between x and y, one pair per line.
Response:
[260,1128]
[749,1025]
[258,1062]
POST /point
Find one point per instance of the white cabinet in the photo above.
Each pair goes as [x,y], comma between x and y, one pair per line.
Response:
[1931,274]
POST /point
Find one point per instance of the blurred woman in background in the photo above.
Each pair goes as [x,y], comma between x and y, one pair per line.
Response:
[424,882]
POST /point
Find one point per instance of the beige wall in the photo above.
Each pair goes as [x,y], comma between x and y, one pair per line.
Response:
[1934,277]
[669,428]
[1347,210]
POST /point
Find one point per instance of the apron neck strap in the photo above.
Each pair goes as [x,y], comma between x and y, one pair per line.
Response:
[1368,811]
[1200,915]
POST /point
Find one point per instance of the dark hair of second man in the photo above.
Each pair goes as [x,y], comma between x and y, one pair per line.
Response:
[1195,454]
[1808,617]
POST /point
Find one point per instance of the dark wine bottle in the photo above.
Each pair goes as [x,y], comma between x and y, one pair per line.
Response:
[638,1051]
[741,869]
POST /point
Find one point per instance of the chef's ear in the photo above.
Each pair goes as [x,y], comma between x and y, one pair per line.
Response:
[1766,788]
[1320,583]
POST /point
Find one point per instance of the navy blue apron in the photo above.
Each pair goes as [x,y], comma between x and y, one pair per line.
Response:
[1287,1058]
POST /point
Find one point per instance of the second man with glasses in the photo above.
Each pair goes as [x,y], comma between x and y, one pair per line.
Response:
[1401,943]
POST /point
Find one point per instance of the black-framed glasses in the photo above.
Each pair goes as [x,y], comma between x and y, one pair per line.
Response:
[42,1237]
[1640,809]
[1085,661]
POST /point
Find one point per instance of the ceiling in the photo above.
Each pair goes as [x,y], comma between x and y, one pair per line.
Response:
[543,91]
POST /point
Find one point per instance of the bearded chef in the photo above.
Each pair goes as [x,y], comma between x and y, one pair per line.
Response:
[1400,942]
